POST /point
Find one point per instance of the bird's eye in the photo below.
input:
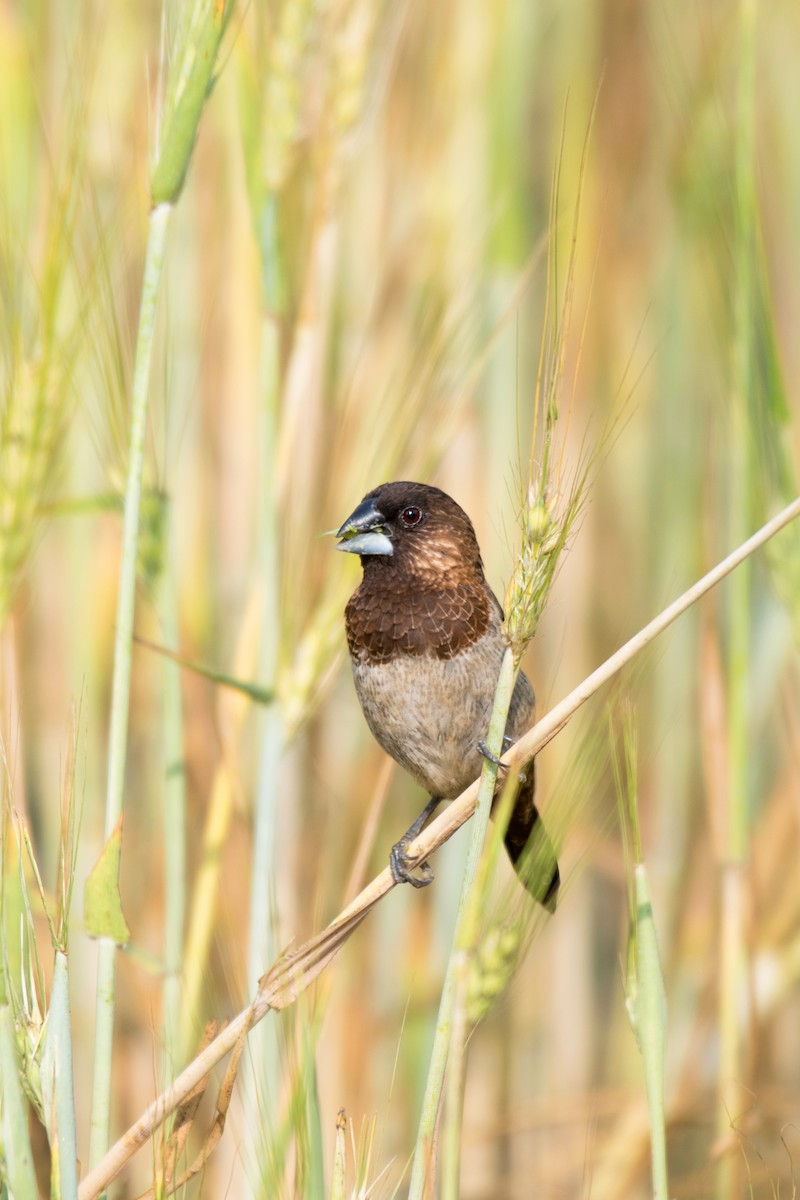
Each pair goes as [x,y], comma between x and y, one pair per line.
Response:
[411,516]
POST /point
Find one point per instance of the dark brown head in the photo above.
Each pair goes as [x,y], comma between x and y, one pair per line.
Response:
[414,530]
[423,591]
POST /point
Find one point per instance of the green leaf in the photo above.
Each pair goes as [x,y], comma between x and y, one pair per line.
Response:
[102,903]
[257,693]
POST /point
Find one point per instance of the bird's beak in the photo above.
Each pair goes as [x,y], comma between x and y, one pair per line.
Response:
[364,531]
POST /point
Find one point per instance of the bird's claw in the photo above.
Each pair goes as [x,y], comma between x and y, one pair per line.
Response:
[402,869]
[485,752]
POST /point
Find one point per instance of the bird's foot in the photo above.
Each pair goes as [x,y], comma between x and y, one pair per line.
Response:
[485,752]
[403,868]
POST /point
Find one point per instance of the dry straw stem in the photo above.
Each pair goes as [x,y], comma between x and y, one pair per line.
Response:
[295,971]
[184,1120]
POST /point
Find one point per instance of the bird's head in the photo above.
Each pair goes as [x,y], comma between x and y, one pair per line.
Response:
[413,527]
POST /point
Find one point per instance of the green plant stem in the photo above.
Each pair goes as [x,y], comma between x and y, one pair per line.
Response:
[733,987]
[204,903]
[265,1080]
[260,951]
[456,1083]
[732,932]
[120,693]
[174,833]
[470,927]
[314,1188]
[651,1013]
[645,994]
[742,475]
[466,922]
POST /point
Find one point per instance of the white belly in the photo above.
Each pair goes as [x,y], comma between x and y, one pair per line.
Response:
[429,713]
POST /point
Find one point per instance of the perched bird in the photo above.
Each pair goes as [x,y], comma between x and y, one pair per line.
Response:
[424,630]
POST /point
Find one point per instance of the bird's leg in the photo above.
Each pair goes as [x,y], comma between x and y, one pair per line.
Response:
[485,752]
[399,865]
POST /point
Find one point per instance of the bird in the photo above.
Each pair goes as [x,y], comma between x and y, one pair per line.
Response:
[424,632]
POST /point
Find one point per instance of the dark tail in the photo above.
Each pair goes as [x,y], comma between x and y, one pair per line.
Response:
[534,858]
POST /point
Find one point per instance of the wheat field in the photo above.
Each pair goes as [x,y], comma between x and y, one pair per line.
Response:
[254,260]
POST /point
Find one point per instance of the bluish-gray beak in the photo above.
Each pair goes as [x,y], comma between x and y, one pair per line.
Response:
[364,531]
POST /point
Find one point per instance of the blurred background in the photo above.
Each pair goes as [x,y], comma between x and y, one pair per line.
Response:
[372,243]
